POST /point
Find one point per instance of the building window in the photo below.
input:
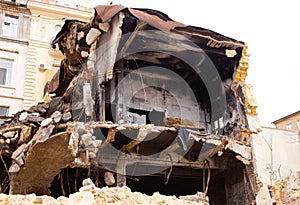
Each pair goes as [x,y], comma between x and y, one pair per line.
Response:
[3,112]
[298,123]
[10,26]
[289,126]
[6,71]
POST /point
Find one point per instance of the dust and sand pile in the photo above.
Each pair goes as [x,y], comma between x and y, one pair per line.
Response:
[90,195]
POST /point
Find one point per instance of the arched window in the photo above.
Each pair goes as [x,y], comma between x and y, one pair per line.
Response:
[57,29]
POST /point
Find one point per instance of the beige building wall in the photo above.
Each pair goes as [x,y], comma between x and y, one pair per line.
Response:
[276,154]
[42,61]
[290,122]
[14,32]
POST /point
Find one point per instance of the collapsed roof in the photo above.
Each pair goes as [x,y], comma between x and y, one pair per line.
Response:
[140,93]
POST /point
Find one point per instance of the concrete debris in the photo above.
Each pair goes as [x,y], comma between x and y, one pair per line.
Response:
[46,122]
[105,195]
[86,139]
[230,53]
[115,137]
[109,179]
[286,191]
[56,116]
[66,117]
[92,35]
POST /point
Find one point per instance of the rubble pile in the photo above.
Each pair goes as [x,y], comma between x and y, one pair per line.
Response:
[90,194]
[286,191]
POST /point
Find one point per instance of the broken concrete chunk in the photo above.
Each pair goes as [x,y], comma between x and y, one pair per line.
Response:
[56,116]
[92,155]
[9,134]
[2,141]
[109,178]
[18,151]
[92,149]
[20,159]
[80,35]
[87,189]
[84,54]
[23,116]
[87,182]
[34,117]
[86,139]
[46,122]
[92,35]
[14,168]
[67,116]
[97,143]
[7,141]
[230,53]
[25,134]
[104,26]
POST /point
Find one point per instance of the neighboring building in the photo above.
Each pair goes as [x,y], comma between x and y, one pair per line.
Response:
[14,33]
[278,155]
[47,18]
[289,122]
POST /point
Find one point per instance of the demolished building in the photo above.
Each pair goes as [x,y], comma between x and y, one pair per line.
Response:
[143,101]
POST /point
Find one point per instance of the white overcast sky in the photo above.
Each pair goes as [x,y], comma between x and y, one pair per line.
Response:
[270,28]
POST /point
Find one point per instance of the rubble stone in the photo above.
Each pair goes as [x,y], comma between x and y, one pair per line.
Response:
[14,168]
[86,139]
[23,116]
[109,178]
[92,35]
[84,54]
[56,116]
[67,116]
[9,134]
[104,26]
[92,155]
[46,122]
[87,181]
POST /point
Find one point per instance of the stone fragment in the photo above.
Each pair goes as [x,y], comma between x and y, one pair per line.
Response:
[92,155]
[80,35]
[56,116]
[23,116]
[104,26]
[230,53]
[25,134]
[86,139]
[109,178]
[14,168]
[46,122]
[20,159]
[97,143]
[9,134]
[84,54]
[18,151]
[92,35]
[87,182]
[67,116]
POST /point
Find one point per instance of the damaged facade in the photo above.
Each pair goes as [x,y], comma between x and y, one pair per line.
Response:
[142,101]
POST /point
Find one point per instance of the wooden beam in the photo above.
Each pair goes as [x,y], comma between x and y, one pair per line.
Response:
[142,134]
